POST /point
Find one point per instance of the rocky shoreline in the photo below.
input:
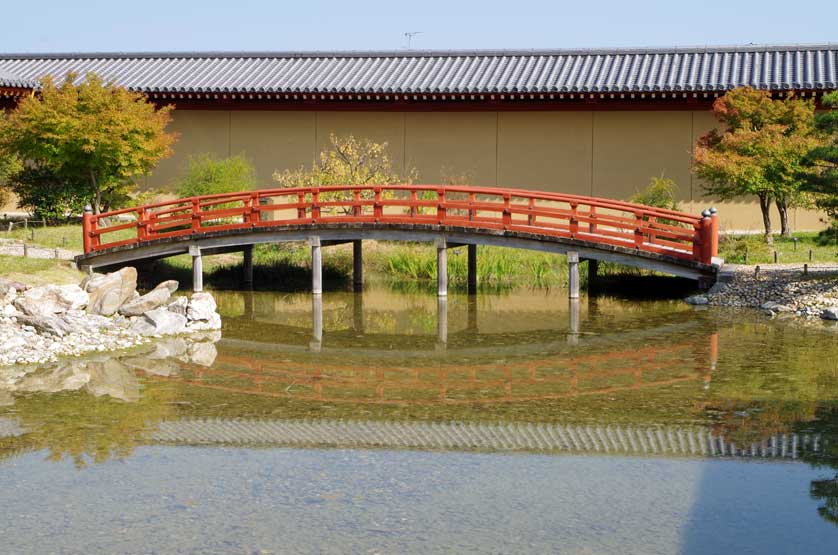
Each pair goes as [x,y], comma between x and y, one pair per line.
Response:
[777,289]
[103,313]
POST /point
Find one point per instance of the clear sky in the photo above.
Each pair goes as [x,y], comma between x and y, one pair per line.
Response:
[183,25]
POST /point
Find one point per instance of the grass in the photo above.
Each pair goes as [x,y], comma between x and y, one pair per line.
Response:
[751,249]
[38,271]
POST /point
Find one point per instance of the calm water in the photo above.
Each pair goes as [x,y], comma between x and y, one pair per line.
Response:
[391,423]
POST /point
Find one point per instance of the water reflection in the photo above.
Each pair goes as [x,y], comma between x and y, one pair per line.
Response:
[528,373]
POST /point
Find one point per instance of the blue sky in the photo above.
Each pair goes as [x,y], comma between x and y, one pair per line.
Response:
[154,25]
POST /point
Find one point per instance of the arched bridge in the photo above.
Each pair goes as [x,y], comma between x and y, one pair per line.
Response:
[581,227]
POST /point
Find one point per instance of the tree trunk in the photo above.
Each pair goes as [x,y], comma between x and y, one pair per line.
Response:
[97,197]
[782,207]
[765,207]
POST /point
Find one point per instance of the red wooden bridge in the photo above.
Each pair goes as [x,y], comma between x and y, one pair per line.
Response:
[591,228]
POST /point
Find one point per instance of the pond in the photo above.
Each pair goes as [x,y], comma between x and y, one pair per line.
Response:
[389,422]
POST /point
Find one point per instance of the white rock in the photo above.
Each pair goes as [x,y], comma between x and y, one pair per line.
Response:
[165,322]
[179,305]
[201,306]
[213,323]
[109,292]
[697,300]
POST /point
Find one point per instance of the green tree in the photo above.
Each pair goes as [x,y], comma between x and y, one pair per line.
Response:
[760,152]
[348,161]
[95,137]
[208,175]
[9,166]
[823,161]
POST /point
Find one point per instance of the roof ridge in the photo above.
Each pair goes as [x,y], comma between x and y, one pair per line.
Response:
[425,53]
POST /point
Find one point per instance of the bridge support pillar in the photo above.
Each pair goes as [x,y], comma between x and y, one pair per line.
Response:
[441,323]
[441,267]
[573,277]
[357,266]
[247,267]
[472,269]
[316,343]
[197,268]
[573,311]
[316,266]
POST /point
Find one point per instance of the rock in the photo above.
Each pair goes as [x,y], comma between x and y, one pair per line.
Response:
[214,323]
[46,324]
[51,299]
[161,322]
[179,305]
[201,306]
[114,379]
[697,300]
[775,307]
[169,284]
[68,377]
[109,292]
[7,285]
[151,300]
[830,313]
[717,288]
[203,354]
[9,310]
[141,326]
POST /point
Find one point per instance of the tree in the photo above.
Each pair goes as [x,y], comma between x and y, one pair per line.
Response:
[823,161]
[660,193]
[9,166]
[95,137]
[760,152]
[208,175]
[348,161]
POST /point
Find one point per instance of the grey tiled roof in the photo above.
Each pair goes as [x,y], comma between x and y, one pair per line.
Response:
[410,72]
[10,80]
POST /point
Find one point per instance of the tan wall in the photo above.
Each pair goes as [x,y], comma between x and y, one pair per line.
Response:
[604,153]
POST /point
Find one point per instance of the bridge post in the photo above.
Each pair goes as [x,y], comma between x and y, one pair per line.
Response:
[247,267]
[197,268]
[573,310]
[316,343]
[357,265]
[358,313]
[441,267]
[441,323]
[472,269]
[573,278]
[316,266]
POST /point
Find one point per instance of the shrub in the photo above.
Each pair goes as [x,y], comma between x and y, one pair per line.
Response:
[207,175]
[660,193]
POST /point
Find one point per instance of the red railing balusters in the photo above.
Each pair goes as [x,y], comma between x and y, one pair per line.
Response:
[610,222]
[196,215]
[638,230]
[377,209]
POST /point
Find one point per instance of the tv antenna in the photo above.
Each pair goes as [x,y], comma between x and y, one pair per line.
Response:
[409,36]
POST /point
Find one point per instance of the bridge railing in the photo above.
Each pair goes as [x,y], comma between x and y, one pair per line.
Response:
[602,221]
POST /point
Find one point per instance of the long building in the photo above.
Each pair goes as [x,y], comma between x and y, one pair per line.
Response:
[592,122]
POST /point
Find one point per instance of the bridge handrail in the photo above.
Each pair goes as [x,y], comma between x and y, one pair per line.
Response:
[625,224]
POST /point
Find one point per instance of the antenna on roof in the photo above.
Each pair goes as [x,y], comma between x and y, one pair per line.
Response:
[409,36]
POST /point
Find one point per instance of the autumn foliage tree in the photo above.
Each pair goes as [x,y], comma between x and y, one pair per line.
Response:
[822,180]
[760,151]
[347,161]
[91,138]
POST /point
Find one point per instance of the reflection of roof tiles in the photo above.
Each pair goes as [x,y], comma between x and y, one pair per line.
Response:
[456,72]
[623,440]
